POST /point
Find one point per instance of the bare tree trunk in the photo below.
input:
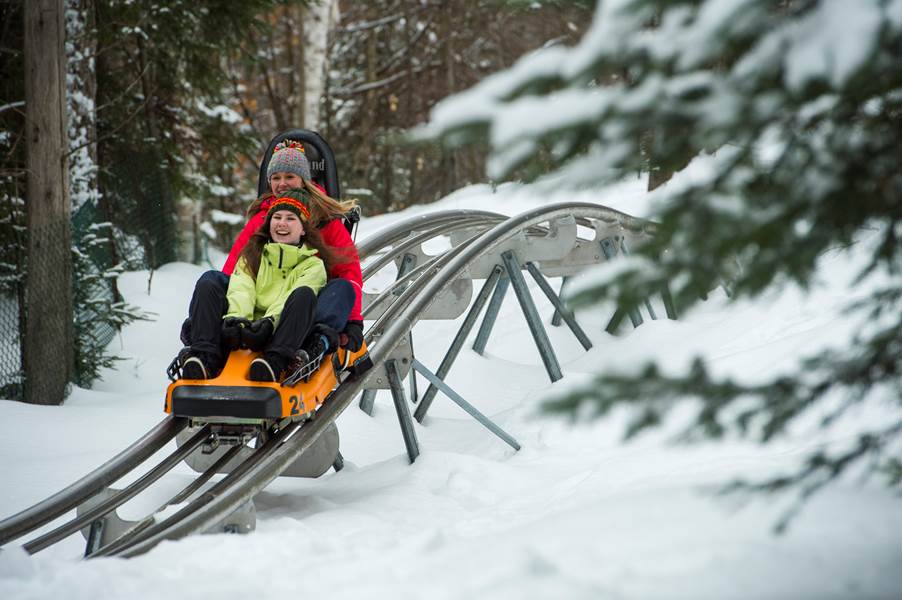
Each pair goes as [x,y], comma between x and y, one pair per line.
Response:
[297,52]
[81,96]
[271,83]
[360,160]
[47,341]
[320,19]
[411,111]
[106,208]
[449,157]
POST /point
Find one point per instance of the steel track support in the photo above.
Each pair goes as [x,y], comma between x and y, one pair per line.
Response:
[408,264]
[94,537]
[491,314]
[368,397]
[367,401]
[412,377]
[669,307]
[532,316]
[560,309]
[106,528]
[610,252]
[207,475]
[458,343]
[397,394]
[469,408]
[648,306]
[556,318]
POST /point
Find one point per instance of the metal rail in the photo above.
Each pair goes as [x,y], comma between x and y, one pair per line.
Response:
[68,498]
[138,526]
[291,440]
[402,229]
[280,451]
[402,315]
[121,497]
[245,482]
[419,238]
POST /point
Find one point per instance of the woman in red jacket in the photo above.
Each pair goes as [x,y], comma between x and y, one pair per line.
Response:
[338,319]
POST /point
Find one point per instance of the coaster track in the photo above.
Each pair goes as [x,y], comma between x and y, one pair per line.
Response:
[477,236]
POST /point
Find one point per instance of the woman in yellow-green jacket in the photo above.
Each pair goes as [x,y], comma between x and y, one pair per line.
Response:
[271,296]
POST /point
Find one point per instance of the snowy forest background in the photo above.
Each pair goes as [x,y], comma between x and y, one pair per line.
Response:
[169,106]
[769,130]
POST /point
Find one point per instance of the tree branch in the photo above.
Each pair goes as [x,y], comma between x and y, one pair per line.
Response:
[373,85]
[13,106]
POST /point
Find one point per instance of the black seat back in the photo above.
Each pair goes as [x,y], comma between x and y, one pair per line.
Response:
[323,169]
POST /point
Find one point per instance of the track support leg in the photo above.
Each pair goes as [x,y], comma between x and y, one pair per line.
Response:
[556,318]
[412,376]
[397,393]
[458,343]
[367,400]
[560,309]
[491,314]
[648,306]
[532,316]
[94,537]
[471,410]
[408,263]
[610,252]
[669,308]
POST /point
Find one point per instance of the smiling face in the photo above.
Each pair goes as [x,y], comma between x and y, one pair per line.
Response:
[282,181]
[286,227]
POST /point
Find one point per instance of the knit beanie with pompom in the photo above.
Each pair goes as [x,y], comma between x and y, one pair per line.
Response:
[289,157]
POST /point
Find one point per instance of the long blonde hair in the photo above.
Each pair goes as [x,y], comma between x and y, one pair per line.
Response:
[323,208]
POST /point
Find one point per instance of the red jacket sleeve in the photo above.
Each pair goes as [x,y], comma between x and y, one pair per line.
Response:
[335,235]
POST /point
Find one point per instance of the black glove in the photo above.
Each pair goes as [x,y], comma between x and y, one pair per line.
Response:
[257,334]
[185,333]
[230,337]
[354,334]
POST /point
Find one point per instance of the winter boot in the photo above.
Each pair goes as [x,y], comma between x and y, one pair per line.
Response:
[199,366]
[267,367]
[321,340]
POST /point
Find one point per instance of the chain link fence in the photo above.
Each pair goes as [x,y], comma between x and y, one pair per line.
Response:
[12,254]
[47,312]
[94,290]
[139,204]
[131,231]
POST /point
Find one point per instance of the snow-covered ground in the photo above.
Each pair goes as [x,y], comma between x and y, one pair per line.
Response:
[574,514]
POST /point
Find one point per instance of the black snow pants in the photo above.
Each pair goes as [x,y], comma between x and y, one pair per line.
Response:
[209,304]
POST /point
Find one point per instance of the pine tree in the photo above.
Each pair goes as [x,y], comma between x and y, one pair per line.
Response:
[794,108]
[167,130]
[99,312]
